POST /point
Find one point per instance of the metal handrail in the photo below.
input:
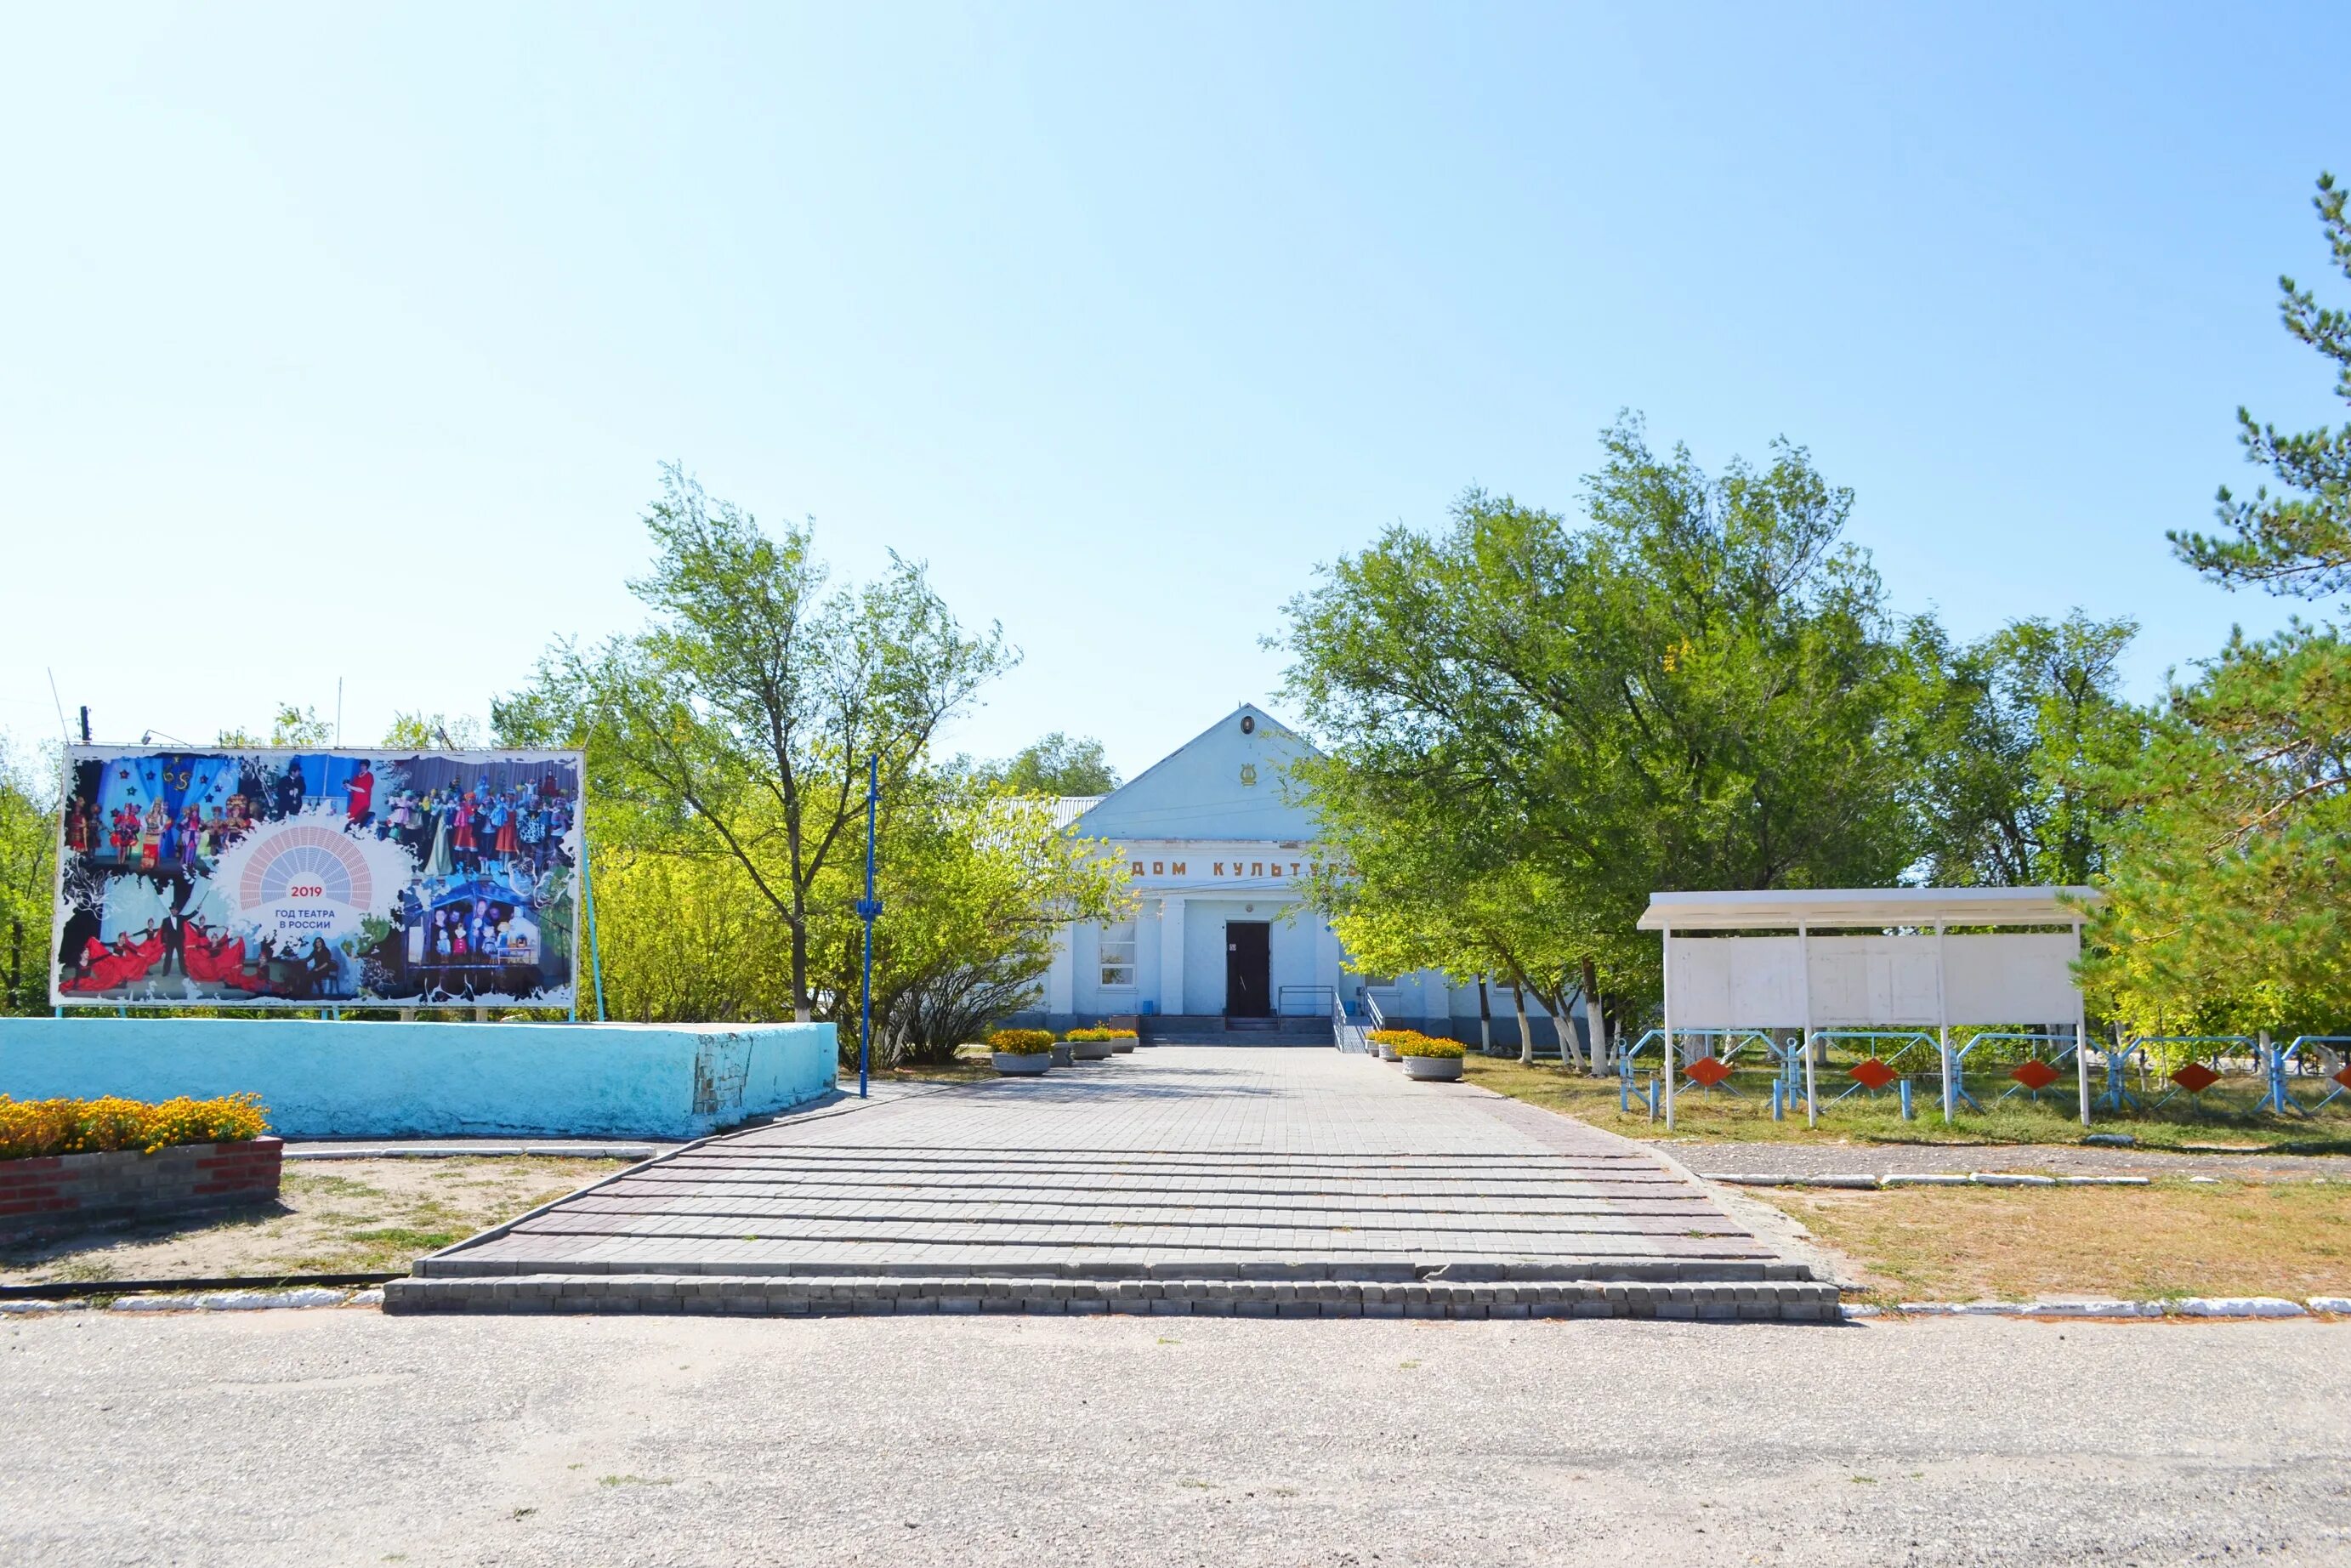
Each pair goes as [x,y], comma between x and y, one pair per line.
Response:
[1346,1033]
[1282,993]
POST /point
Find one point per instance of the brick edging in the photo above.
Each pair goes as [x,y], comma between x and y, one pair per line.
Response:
[55,1193]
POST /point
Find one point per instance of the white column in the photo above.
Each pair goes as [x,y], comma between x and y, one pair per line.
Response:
[1061,979]
[1171,956]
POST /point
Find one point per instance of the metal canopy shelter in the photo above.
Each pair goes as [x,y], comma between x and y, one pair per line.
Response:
[1925,977]
[1837,908]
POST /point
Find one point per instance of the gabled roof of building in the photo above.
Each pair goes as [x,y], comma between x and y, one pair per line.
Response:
[1226,782]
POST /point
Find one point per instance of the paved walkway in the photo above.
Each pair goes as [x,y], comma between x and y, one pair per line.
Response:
[1225,1179]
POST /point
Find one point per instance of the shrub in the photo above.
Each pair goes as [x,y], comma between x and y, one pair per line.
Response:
[31,1129]
[1021,1041]
[1100,1034]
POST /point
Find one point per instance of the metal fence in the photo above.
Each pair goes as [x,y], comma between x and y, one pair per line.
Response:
[1917,1073]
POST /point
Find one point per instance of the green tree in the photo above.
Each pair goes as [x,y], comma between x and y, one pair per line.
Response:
[422,731]
[29,806]
[1699,687]
[2023,722]
[1057,765]
[289,726]
[2298,542]
[732,735]
[2231,870]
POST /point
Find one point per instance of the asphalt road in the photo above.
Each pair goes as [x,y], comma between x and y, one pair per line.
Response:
[344,1437]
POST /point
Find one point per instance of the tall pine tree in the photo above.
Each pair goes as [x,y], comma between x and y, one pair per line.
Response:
[2230,886]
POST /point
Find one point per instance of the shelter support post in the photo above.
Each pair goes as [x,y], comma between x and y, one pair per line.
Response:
[1673,1064]
[1804,994]
[1943,1030]
[2081,1033]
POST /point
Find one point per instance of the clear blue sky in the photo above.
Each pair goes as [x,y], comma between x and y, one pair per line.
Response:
[347,341]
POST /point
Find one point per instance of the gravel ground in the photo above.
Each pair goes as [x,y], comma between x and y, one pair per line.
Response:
[338,1436]
[1708,1156]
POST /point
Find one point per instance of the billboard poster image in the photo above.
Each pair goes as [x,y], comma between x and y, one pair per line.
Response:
[309,878]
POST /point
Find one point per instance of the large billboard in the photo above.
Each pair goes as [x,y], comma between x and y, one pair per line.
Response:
[318,878]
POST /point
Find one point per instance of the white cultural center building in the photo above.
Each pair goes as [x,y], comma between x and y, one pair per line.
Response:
[1217,848]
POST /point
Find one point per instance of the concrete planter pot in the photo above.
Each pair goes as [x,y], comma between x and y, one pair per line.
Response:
[1433,1069]
[1061,1057]
[1091,1050]
[1022,1066]
[1388,1053]
[1121,1046]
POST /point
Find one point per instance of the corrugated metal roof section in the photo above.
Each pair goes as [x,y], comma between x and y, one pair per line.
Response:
[1773,909]
[1068,809]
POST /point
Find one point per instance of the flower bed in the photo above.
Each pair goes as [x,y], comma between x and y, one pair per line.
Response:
[68,1164]
[32,1129]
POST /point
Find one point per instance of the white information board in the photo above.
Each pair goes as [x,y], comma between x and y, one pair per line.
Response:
[1872,982]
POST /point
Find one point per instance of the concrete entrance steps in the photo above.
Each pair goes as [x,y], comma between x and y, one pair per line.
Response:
[1803,1301]
[1210,1028]
[809,1228]
[1224,1180]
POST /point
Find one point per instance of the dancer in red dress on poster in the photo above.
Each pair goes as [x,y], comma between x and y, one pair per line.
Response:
[359,795]
[117,966]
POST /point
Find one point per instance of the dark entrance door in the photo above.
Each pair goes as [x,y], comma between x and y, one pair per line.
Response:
[1248,969]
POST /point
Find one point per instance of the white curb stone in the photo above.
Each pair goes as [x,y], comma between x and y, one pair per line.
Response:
[2102,1181]
[1863,1310]
[2092,1310]
[2002,1178]
[231,1301]
[2329,1304]
[31,1309]
[2238,1307]
[372,1297]
[1942,1179]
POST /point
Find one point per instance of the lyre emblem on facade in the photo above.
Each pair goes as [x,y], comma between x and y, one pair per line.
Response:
[1249,774]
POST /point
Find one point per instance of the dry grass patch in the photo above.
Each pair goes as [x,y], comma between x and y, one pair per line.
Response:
[972,1063]
[333,1216]
[2173,1238]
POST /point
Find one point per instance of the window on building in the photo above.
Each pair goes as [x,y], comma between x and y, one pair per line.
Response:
[1118,954]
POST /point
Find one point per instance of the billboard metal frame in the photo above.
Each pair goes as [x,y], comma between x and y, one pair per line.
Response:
[583,900]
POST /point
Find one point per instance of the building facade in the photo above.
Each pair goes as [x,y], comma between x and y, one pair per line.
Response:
[1217,847]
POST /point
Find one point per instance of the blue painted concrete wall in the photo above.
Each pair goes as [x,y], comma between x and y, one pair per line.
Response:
[322,1079]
